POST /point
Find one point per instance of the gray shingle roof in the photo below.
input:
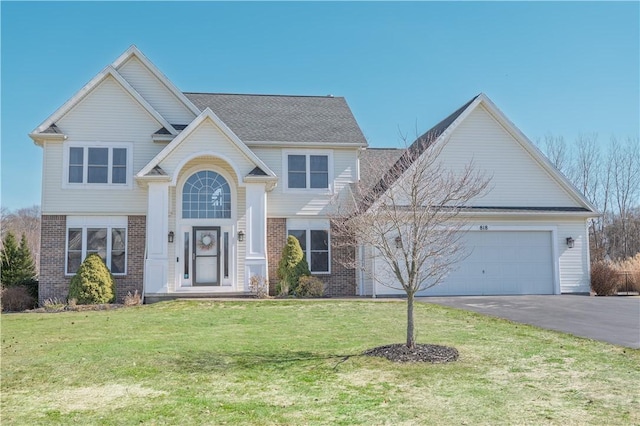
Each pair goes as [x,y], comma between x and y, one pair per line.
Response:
[157,171]
[257,171]
[409,155]
[374,162]
[279,118]
[52,129]
[164,131]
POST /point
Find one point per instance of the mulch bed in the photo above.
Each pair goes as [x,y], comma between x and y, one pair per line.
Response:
[421,353]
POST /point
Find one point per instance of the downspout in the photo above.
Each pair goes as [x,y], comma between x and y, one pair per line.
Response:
[144,268]
[361,269]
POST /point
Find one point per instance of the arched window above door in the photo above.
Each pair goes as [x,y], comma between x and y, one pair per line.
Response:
[206,195]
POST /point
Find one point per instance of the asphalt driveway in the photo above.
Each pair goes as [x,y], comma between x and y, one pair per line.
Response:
[609,319]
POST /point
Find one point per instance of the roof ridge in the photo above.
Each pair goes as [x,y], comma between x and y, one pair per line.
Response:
[265,94]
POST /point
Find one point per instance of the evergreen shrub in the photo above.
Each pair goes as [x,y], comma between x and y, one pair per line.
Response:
[93,283]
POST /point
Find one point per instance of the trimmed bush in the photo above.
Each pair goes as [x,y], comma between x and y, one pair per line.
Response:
[604,279]
[93,283]
[291,267]
[310,287]
[16,299]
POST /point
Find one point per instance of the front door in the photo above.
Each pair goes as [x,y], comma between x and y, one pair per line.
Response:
[206,256]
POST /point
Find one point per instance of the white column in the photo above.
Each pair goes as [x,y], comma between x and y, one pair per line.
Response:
[256,232]
[157,262]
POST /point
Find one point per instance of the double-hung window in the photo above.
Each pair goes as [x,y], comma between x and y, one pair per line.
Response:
[106,237]
[308,171]
[315,243]
[98,165]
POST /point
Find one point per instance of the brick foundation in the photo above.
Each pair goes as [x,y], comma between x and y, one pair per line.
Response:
[53,282]
[341,281]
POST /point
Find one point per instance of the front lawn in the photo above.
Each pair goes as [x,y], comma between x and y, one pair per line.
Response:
[297,362]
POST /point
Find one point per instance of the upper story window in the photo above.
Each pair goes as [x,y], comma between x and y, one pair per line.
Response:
[206,195]
[308,171]
[99,165]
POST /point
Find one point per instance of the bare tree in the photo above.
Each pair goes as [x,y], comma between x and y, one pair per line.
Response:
[24,221]
[557,152]
[625,174]
[412,218]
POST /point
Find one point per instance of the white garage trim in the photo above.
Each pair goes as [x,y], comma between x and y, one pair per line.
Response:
[550,230]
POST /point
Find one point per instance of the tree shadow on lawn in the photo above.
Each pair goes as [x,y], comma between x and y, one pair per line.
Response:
[210,361]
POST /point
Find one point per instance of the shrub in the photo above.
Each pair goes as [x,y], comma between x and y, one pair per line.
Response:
[93,283]
[604,278]
[17,298]
[630,266]
[17,263]
[310,286]
[55,305]
[133,299]
[291,267]
[258,285]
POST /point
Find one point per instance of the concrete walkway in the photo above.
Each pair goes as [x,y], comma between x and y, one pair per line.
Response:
[609,319]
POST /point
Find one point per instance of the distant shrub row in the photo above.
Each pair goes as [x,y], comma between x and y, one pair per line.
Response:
[609,278]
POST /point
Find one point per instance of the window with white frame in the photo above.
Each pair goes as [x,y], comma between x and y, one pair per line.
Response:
[308,170]
[99,164]
[107,238]
[314,240]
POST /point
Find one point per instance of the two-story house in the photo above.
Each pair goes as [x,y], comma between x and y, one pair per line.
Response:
[190,194]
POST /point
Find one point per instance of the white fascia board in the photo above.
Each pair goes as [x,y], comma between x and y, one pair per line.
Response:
[206,114]
[536,153]
[134,51]
[109,71]
[40,138]
[530,214]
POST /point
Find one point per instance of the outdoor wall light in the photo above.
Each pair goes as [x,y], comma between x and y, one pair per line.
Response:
[170,236]
[570,242]
[240,235]
[398,241]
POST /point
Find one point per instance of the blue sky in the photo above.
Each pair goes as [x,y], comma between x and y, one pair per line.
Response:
[561,68]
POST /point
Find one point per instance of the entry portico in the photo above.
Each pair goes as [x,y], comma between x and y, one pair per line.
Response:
[207,213]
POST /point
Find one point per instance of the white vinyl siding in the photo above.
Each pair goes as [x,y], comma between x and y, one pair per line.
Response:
[207,139]
[111,116]
[155,92]
[516,178]
[282,203]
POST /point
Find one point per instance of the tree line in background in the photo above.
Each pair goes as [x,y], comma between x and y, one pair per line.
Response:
[609,177]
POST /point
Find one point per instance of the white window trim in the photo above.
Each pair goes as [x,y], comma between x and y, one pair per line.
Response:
[85,222]
[309,225]
[307,153]
[85,158]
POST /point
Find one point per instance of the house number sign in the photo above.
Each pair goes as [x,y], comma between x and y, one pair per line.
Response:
[484,227]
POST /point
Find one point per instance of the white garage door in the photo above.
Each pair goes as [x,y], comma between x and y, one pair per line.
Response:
[499,263]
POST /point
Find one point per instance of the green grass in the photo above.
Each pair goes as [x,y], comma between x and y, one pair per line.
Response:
[297,362]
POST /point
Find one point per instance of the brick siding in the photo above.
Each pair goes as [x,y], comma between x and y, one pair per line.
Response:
[341,281]
[53,282]
[276,240]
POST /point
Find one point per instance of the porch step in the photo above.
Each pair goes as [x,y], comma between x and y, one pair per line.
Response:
[154,298]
